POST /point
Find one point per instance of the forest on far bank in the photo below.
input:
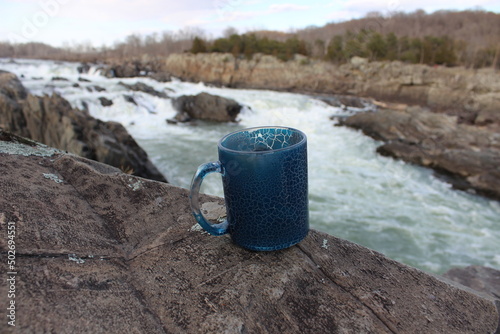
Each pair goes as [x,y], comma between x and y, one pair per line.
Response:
[466,38]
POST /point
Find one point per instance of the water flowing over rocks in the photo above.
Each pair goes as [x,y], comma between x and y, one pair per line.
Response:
[142,87]
[52,121]
[98,250]
[207,107]
[468,155]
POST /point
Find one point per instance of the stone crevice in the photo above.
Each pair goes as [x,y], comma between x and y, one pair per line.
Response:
[331,279]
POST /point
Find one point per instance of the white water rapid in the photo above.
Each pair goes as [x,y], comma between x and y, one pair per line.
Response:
[392,207]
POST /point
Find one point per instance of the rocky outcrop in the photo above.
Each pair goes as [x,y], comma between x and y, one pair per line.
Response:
[149,67]
[100,251]
[207,107]
[451,89]
[469,156]
[482,279]
[142,87]
[52,120]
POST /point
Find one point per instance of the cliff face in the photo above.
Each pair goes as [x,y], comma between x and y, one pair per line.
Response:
[52,121]
[139,264]
[476,91]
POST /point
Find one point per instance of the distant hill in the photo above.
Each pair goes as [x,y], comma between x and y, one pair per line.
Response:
[479,29]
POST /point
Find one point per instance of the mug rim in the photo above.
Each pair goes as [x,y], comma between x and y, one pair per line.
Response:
[220,146]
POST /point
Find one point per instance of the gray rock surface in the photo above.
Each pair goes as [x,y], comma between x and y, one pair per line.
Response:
[52,121]
[142,87]
[135,68]
[207,107]
[469,156]
[483,279]
[99,251]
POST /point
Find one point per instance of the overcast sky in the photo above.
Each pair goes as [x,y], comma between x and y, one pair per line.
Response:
[100,22]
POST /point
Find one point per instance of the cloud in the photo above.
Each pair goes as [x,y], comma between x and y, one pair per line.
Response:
[133,10]
[286,7]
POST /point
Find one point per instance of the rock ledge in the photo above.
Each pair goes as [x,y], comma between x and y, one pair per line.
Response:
[101,251]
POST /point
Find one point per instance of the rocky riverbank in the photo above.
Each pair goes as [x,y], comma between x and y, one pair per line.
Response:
[52,121]
[468,156]
[139,263]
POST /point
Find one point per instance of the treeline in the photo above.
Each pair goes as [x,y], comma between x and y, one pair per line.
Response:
[475,33]
[430,50]
[249,44]
[134,46]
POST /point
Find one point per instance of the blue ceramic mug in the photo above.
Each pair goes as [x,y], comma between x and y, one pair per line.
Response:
[264,174]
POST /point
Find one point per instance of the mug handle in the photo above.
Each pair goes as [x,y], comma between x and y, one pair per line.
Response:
[204,170]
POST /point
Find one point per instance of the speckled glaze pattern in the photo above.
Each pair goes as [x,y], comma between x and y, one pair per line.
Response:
[265,179]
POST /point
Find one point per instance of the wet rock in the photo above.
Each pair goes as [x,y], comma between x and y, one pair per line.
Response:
[132,68]
[130,99]
[101,249]
[59,79]
[205,106]
[105,102]
[83,68]
[142,87]
[98,88]
[468,156]
[83,80]
[52,121]
[346,101]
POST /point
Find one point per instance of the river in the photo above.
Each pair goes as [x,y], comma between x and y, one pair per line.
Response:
[395,208]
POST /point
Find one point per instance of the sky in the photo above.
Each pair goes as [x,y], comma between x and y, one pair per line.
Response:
[105,22]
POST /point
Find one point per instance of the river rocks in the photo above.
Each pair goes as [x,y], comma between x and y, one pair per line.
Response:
[346,101]
[52,120]
[136,68]
[142,87]
[98,250]
[83,68]
[205,106]
[469,156]
[105,102]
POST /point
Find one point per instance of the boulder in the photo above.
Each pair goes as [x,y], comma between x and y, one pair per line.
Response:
[105,102]
[83,68]
[148,67]
[59,79]
[11,87]
[52,121]
[207,107]
[100,251]
[142,87]
[468,156]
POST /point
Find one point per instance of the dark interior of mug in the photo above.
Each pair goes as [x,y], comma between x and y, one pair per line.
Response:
[262,139]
